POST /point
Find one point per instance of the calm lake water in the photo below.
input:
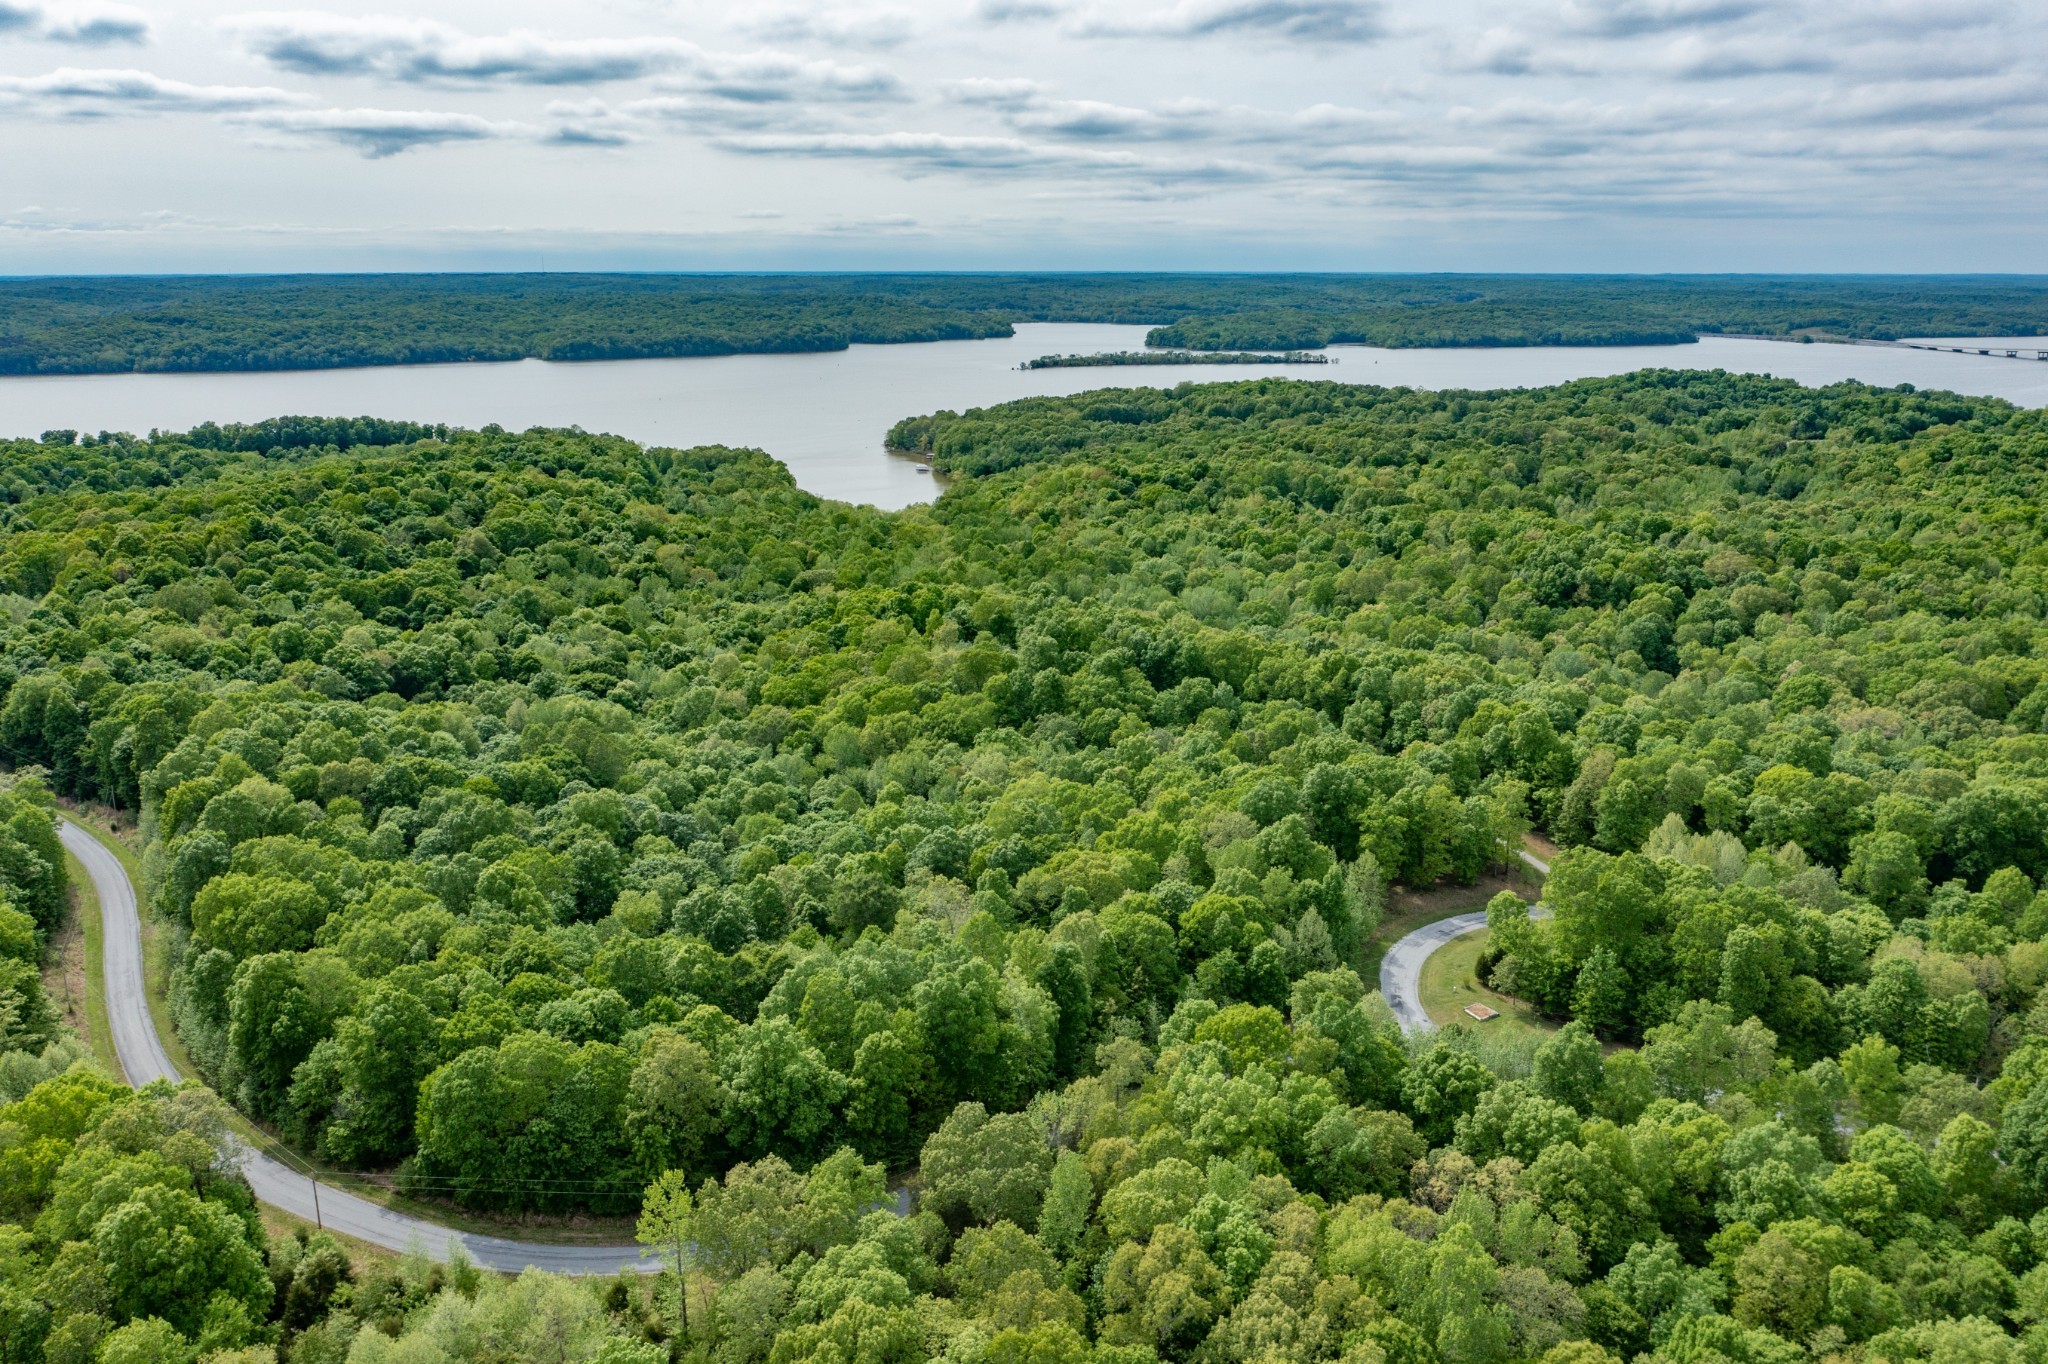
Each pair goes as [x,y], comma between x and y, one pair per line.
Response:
[825,415]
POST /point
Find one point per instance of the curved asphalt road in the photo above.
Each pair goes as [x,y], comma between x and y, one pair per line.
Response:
[144,1059]
[1401,968]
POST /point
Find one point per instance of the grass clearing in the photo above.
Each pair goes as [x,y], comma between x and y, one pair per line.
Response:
[1450,981]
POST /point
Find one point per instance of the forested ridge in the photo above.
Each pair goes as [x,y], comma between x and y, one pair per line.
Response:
[191,323]
[556,820]
[1591,310]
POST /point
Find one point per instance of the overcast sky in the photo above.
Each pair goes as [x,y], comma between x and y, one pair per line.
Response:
[1344,134]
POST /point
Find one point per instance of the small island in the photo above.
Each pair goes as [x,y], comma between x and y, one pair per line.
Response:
[1176,357]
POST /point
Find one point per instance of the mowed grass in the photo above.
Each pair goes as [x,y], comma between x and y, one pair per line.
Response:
[82,972]
[1450,981]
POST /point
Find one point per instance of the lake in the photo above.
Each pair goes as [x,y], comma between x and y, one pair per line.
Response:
[824,415]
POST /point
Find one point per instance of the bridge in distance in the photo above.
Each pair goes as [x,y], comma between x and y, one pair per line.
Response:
[2010,352]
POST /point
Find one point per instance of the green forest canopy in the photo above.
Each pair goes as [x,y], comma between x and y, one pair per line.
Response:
[550,815]
[174,323]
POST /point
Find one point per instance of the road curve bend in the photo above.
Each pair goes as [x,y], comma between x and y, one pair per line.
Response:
[1401,968]
[143,1059]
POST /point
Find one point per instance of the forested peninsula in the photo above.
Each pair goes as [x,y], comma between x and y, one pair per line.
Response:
[561,824]
[1114,358]
[215,323]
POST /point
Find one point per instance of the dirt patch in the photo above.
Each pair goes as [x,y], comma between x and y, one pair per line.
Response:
[119,823]
[1403,903]
[1408,909]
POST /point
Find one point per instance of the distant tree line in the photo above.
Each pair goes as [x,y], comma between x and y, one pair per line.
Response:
[110,325]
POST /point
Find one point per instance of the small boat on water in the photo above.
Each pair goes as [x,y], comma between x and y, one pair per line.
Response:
[924,468]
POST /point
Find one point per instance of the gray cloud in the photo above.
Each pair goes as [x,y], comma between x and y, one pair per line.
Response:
[993,92]
[1532,111]
[892,224]
[97,28]
[873,28]
[79,25]
[1931,106]
[1315,21]
[1620,41]
[591,123]
[1696,58]
[922,149]
[1092,119]
[412,51]
[1342,21]
[71,92]
[920,153]
[1916,19]
[1634,18]
[775,76]
[380,133]
[1329,21]
[1018,11]
[598,123]
[423,51]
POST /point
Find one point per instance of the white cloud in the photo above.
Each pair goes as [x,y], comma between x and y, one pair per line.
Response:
[73,92]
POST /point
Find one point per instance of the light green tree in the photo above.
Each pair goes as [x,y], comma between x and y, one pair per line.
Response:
[668,1223]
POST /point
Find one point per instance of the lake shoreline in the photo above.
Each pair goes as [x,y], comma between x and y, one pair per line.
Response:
[1235,356]
[823,414]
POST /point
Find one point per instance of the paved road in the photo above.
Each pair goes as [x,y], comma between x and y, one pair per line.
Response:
[1401,968]
[144,1059]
